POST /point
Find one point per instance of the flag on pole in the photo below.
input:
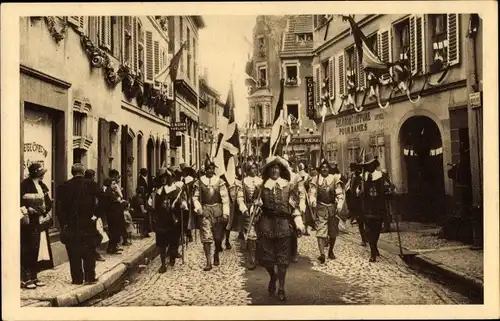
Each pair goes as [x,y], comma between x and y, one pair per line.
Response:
[368,58]
[174,64]
[231,135]
[278,124]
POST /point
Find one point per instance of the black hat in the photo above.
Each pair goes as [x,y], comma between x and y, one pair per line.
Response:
[36,170]
[323,162]
[369,159]
[113,173]
[189,171]
[209,163]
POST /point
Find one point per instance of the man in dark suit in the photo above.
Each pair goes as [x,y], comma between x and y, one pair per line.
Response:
[144,182]
[76,213]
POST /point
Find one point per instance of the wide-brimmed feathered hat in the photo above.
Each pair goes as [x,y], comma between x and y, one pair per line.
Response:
[370,159]
[190,171]
[162,172]
[285,172]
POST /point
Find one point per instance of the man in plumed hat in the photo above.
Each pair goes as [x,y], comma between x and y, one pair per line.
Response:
[374,207]
[168,202]
[353,198]
[211,203]
[280,198]
[326,195]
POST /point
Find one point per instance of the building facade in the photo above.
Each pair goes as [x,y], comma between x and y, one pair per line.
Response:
[263,82]
[93,90]
[184,29]
[296,57]
[415,137]
[210,100]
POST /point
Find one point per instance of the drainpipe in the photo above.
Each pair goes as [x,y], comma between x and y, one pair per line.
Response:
[475,123]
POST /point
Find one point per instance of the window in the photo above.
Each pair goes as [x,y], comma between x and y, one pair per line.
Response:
[324,74]
[291,75]
[261,46]
[127,40]
[402,38]
[262,72]
[304,37]
[78,119]
[438,24]
[372,43]
[181,39]
[194,60]
[188,52]
[293,109]
[350,59]
[140,58]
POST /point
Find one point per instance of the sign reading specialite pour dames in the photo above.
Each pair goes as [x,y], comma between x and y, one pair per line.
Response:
[354,123]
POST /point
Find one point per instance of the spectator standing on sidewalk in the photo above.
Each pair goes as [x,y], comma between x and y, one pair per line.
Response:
[90,175]
[138,206]
[35,206]
[114,206]
[374,206]
[76,213]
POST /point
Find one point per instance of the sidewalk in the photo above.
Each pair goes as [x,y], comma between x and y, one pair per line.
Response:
[59,291]
[422,247]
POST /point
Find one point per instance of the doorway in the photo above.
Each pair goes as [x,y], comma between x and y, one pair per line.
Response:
[422,165]
[150,157]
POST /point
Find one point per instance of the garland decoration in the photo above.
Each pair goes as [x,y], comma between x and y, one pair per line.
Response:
[404,77]
[58,35]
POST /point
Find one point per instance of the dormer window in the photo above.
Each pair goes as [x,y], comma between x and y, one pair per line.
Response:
[261,46]
[304,37]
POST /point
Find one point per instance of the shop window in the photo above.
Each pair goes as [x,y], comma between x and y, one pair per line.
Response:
[402,39]
[291,75]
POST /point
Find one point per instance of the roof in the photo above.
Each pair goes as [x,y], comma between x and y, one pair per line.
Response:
[261,93]
[298,24]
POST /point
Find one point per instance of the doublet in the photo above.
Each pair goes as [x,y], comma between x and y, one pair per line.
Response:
[210,190]
[374,195]
[326,190]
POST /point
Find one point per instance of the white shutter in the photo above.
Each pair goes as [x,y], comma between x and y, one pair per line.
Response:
[170,84]
[149,70]
[105,32]
[156,56]
[135,45]
[341,74]
[317,80]
[417,44]
[331,76]
[360,72]
[453,27]
[385,47]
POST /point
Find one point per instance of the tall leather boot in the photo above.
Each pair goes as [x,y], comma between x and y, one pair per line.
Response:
[331,244]
[218,245]
[206,249]
[251,248]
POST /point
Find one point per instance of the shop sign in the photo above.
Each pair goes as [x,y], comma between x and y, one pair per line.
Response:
[475,100]
[305,140]
[352,124]
[178,127]
[310,96]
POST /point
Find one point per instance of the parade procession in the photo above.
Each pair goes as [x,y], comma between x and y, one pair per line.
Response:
[339,168]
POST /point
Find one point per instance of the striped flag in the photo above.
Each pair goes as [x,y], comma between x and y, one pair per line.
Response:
[278,124]
[368,58]
[231,134]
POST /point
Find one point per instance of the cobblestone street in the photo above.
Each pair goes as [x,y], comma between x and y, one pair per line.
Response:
[350,279]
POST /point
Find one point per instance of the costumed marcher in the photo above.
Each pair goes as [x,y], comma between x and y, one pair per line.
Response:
[189,176]
[353,199]
[305,206]
[327,198]
[76,208]
[233,224]
[36,206]
[373,202]
[247,196]
[168,200]
[211,203]
[277,225]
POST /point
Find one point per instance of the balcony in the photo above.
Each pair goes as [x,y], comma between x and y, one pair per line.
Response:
[291,82]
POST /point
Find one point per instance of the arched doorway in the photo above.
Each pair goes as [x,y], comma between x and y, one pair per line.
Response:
[163,154]
[150,157]
[422,166]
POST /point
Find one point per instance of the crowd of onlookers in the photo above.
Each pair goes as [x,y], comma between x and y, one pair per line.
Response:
[88,214]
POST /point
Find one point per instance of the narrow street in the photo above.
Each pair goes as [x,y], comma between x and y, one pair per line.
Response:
[350,279]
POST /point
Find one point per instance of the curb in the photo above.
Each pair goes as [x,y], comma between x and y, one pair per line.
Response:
[410,257]
[106,281]
[467,280]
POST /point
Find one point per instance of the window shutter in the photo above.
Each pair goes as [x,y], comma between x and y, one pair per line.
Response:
[417,50]
[360,72]
[74,20]
[385,45]
[341,74]
[135,45]
[317,80]
[149,56]
[453,40]
[105,32]
[93,29]
[157,57]
[331,76]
